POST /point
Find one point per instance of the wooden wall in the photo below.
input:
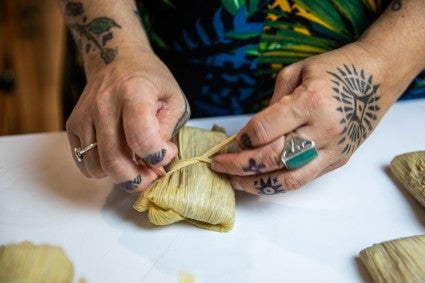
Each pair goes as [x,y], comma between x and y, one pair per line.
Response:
[32,35]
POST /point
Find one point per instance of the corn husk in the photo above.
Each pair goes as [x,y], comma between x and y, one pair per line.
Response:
[400,260]
[25,262]
[409,170]
[192,192]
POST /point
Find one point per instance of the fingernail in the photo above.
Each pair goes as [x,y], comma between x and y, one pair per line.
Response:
[131,185]
[217,167]
[245,141]
[155,158]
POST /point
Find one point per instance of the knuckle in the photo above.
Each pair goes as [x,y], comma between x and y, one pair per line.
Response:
[259,130]
[141,142]
[112,167]
[291,182]
[272,157]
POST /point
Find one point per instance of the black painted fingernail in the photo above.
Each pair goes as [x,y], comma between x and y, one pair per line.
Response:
[155,158]
[245,141]
[132,184]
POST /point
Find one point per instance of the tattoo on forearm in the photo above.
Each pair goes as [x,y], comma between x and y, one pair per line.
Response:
[155,158]
[245,141]
[132,184]
[359,104]
[271,186]
[254,167]
[96,33]
[183,118]
[396,5]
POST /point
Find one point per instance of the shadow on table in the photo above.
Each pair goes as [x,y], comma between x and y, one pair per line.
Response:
[417,209]
[121,203]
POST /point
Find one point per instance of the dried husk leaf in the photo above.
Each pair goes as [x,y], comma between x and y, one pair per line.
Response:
[409,170]
[25,262]
[395,261]
[194,193]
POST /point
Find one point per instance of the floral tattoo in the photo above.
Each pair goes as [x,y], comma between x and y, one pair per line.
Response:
[96,33]
[359,99]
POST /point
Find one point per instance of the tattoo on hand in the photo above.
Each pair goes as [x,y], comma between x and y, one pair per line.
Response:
[271,186]
[254,167]
[396,5]
[359,99]
[132,184]
[96,32]
[246,141]
[155,158]
[184,117]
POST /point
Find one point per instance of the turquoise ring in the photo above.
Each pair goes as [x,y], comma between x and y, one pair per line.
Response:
[298,152]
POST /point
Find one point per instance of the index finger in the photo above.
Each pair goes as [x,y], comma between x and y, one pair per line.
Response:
[282,117]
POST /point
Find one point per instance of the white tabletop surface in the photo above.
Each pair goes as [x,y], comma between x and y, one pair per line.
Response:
[310,235]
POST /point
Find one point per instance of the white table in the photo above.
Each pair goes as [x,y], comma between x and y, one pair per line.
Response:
[310,235]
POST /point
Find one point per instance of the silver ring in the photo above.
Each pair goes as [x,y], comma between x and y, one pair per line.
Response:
[298,152]
[79,151]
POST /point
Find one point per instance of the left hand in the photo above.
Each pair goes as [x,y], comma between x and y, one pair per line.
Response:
[335,99]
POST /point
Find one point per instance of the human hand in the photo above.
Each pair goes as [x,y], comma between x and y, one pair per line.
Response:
[335,99]
[131,108]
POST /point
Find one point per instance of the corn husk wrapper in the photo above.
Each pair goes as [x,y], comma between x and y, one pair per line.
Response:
[409,170]
[25,262]
[191,191]
[400,260]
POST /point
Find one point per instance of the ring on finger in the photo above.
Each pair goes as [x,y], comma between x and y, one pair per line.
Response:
[297,152]
[79,151]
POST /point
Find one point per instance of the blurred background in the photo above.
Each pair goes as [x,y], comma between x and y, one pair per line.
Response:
[34,67]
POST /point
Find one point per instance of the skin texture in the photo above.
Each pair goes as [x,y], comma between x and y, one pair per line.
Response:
[132,105]
[335,99]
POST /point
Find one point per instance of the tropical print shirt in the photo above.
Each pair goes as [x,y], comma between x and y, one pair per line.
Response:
[225,54]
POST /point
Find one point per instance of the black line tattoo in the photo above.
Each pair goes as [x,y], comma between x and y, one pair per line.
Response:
[97,32]
[155,158]
[183,118]
[271,186]
[132,184]
[358,97]
[396,5]
[254,167]
[245,141]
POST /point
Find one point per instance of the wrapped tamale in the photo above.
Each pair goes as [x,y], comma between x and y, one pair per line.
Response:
[395,261]
[409,170]
[190,190]
[26,262]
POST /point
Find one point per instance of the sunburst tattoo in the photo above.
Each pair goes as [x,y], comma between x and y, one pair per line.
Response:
[269,186]
[358,97]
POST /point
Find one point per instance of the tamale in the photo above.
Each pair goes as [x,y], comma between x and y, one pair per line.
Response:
[25,262]
[190,190]
[399,260]
[409,170]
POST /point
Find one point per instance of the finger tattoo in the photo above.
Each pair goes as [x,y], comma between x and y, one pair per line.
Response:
[184,117]
[132,184]
[254,167]
[359,104]
[155,158]
[246,141]
[269,186]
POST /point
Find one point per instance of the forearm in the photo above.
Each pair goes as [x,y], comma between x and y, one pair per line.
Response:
[103,29]
[397,39]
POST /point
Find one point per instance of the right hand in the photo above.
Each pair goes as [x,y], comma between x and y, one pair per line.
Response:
[131,108]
